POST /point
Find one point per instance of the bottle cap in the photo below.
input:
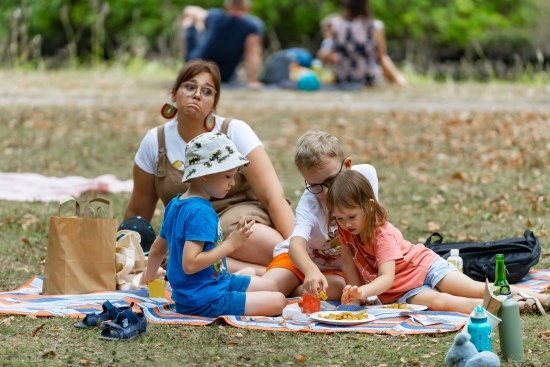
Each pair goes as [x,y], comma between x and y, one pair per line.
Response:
[478,313]
[454,252]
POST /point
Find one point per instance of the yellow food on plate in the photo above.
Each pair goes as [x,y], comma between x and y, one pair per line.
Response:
[399,306]
[361,315]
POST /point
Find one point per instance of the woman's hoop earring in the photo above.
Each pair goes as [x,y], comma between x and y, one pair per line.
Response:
[168,111]
[209,123]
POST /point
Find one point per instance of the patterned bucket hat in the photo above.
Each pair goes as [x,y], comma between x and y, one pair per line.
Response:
[211,153]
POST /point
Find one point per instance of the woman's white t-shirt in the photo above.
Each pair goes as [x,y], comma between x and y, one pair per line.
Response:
[242,135]
[323,245]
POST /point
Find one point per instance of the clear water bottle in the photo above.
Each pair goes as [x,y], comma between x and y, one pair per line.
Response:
[509,329]
[480,330]
[455,259]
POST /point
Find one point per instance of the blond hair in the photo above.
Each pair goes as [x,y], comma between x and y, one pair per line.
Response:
[314,148]
[350,189]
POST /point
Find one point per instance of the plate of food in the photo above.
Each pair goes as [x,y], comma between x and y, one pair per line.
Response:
[342,318]
[397,307]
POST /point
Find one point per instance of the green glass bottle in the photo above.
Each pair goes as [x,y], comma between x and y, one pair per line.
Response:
[500,274]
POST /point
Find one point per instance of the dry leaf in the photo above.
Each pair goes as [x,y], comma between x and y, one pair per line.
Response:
[48,353]
[238,335]
[37,329]
[433,226]
[7,321]
[300,358]
[85,361]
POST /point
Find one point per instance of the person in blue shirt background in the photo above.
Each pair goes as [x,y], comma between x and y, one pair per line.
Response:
[225,36]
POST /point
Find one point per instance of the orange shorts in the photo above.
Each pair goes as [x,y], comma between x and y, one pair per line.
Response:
[284,261]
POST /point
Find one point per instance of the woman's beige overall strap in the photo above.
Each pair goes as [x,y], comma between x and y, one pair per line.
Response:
[225,125]
[161,165]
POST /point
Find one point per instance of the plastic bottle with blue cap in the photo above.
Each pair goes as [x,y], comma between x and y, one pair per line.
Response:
[480,330]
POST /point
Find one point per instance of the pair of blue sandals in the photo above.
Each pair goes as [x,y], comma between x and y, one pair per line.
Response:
[117,323]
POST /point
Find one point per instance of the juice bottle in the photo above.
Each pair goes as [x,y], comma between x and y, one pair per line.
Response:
[455,259]
[310,303]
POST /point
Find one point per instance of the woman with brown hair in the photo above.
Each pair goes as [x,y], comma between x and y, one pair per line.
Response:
[257,194]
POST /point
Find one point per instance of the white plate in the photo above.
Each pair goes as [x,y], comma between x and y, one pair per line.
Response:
[316,316]
[385,308]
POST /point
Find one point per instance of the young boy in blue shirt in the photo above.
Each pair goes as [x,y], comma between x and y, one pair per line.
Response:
[192,237]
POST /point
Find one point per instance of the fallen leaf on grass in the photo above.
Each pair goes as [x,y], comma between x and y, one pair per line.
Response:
[433,226]
[48,353]
[300,358]
[85,361]
[37,329]
[544,335]
[7,321]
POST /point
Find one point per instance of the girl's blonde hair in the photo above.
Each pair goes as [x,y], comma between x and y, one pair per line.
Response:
[350,189]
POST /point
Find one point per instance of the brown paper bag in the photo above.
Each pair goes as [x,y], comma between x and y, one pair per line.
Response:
[81,250]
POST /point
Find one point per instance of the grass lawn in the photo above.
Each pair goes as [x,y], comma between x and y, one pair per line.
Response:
[467,160]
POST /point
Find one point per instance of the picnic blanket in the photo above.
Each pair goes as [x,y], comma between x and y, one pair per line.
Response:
[35,187]
[27,300]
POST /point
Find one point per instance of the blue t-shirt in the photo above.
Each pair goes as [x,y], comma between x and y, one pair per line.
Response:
[193,219]
[223,41]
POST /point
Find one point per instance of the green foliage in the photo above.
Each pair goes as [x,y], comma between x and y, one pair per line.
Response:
[95,29]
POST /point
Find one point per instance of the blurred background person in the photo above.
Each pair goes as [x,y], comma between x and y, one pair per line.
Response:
[355,45]
[225,36]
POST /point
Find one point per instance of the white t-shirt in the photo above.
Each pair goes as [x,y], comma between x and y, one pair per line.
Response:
[311,224]
[242,135]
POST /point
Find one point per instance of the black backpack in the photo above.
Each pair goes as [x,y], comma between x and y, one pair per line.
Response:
[520,254]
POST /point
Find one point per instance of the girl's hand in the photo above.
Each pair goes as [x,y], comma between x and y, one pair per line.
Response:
[351,295]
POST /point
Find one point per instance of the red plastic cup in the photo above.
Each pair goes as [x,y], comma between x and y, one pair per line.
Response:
[310,303]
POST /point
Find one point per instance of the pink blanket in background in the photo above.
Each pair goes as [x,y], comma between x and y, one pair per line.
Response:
[35,187]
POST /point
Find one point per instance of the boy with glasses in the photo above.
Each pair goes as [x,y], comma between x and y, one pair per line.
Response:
[311,255]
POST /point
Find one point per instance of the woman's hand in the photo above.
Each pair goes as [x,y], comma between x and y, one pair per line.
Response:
[352,295]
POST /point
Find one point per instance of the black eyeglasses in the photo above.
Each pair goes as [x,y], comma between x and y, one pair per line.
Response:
[318,188]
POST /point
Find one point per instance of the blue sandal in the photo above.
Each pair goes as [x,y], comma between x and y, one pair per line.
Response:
[128,325]
[110,312]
